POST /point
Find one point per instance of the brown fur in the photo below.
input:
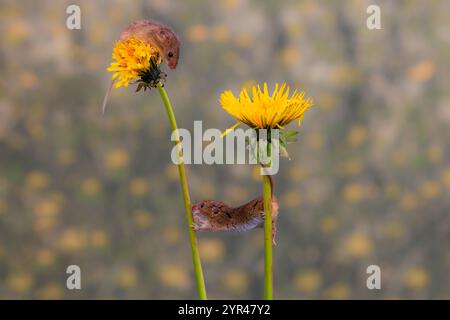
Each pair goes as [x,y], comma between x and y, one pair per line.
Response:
[211,215]
[158,35]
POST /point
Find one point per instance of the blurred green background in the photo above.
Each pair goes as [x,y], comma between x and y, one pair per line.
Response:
[368,183]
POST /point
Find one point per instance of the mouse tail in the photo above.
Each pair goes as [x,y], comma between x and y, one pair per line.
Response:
[107,94]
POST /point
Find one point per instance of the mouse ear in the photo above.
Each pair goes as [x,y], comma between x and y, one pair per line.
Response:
[164,35]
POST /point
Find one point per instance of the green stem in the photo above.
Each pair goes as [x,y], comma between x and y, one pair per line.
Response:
[187,201]
[267,195]
[268,280]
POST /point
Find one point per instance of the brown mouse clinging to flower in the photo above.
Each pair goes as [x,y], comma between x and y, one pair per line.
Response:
[211,215]
[158,36]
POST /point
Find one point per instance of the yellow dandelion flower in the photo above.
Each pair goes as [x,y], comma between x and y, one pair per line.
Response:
[260,110]
[134,58]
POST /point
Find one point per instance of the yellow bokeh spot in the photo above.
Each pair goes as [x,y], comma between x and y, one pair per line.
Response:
[392,190]
[139,187]
[17,32]
[422,71]
[116,159]
[358,245]
[354,192]
[399,158]
[346,75]
[174,276]
[37,180]
[435,154]
[351,167]
[236,281]
[172,172]
[91,186]
[220,33]
[315,141]
[230,4]
[237,193]
[99,238]
[3,206]
[67,157]
[20,282]
[416,278]
[197,33]
[338,291]
[328,224]
[430,190]
[244,39]
[45,257]
[171,235]
[327,101]
[290,55]
[72,239]
[50,292]
[357,136]
[297,173]
[308,281]
[445,176]
[211,250]
[291,199]
[142,218]
[409,201]
[127,277]
[28,79]
[47,208]
[44,224]
[393,230]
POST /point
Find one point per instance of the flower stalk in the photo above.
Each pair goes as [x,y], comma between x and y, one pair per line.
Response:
[187,201]
[268,274]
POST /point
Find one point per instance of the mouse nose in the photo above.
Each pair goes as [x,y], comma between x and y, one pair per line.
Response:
[172,64]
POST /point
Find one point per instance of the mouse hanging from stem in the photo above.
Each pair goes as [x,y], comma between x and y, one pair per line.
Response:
[211,215]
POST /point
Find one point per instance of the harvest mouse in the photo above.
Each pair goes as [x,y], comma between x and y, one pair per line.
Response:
[211,215]
[159,36]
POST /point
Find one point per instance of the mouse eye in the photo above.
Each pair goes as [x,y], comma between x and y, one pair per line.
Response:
[202,205]
[170,54]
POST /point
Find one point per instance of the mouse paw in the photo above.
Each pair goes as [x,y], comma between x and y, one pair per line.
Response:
[194,226]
